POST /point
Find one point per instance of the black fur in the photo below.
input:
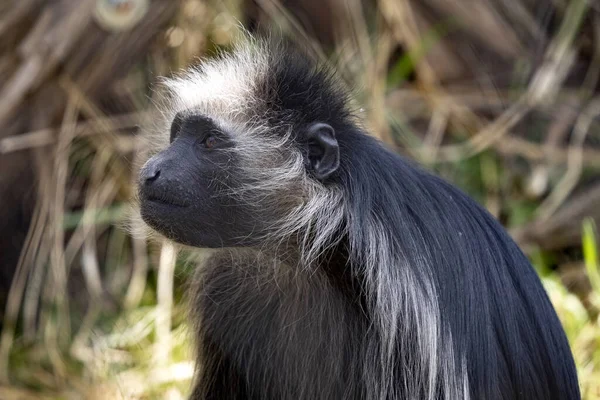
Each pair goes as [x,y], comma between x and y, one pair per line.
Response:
[270,327]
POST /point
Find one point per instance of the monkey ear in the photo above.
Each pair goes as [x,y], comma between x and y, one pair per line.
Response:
[323,150]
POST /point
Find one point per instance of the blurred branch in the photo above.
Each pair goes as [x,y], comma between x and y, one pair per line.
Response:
[563,229]
[137,284]
[544,85]
[413,104]
[91,126]
[166,270]
[513,145]
[105,142]
[402,20]
[574,161]
[15,295]
[560,55]
[15,13]
[489,134]
[90,269]
[485,24]
[43,52]
[55,302]
[289,24]
[435,133]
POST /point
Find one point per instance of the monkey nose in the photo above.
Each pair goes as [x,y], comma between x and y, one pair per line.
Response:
[149,174]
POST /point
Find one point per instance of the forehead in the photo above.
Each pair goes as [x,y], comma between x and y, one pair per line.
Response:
[260,87]
[225,89]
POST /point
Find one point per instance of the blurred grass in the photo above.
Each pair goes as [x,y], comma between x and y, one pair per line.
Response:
[581,322]
[117,329]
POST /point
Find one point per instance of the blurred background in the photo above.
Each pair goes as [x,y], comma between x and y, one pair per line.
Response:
[501,97]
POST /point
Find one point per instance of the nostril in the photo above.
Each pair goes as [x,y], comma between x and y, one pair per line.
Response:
[153,176]
[150,175]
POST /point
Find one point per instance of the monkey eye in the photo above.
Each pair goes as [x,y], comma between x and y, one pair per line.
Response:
[210,141]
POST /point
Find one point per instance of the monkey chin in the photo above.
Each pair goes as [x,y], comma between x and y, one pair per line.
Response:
[177,223]
[159,214]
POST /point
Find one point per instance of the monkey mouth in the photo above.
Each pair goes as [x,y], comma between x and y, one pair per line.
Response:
[165,199]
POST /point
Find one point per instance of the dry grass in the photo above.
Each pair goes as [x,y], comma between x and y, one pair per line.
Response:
[94,313]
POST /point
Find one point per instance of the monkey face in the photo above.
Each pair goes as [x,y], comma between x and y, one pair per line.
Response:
[188,191]
[255,145]
[198,193]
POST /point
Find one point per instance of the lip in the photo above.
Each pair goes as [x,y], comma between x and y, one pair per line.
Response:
[164,199]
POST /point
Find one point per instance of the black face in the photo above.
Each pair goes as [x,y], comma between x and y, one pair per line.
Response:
[188,190]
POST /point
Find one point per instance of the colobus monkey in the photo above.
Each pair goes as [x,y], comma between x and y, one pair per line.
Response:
[338,270]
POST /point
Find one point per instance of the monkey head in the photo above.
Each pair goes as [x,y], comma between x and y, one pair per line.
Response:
[248,147]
